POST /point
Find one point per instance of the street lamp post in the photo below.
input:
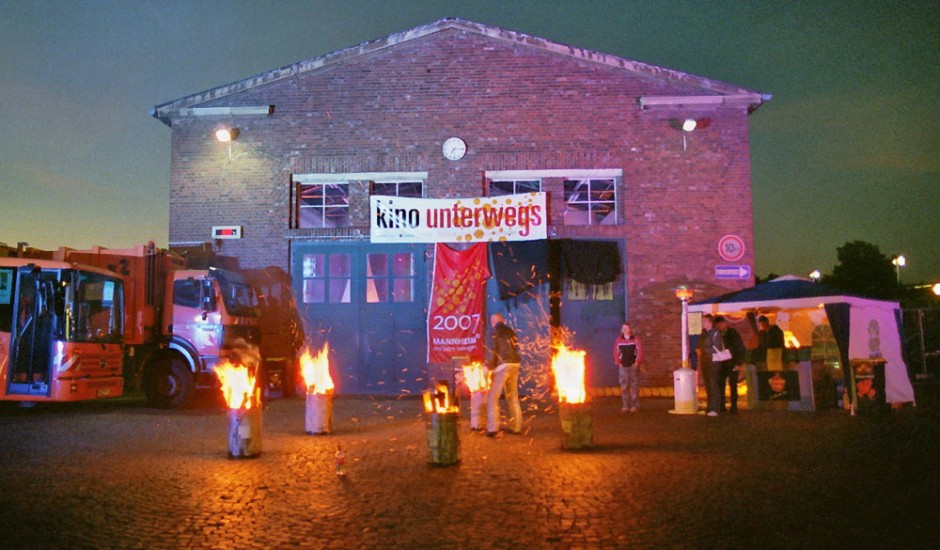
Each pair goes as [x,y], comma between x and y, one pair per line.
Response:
[899,261]
[683,377]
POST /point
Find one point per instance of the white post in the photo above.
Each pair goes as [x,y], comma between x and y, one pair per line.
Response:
[685,333]
[684,386]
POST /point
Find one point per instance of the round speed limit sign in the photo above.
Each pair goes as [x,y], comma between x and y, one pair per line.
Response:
[731,248]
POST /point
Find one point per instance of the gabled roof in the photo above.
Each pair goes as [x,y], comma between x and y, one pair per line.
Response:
[787,292]
[713,91]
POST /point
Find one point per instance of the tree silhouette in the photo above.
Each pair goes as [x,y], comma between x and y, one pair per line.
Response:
[863,270]
[770,277]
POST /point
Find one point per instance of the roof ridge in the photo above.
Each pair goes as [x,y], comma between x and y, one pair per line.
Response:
[162,111]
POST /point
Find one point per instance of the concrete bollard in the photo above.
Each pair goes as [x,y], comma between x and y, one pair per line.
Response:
[685,391]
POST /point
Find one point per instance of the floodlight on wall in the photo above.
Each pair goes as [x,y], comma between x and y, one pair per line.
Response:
[225,135]
[689,125]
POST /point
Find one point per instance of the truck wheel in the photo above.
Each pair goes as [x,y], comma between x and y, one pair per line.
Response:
[169,382]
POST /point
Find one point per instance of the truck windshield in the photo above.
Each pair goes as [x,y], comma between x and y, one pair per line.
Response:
[239,297]
[95,312]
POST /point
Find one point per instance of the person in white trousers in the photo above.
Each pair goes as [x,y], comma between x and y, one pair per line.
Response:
[503,363]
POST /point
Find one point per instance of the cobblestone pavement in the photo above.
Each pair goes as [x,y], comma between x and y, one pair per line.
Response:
[118,474]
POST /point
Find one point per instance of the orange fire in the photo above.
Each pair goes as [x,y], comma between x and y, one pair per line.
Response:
[474,376]
[438,400]
[238,384]
[568,368]
[790,339]
[316,371]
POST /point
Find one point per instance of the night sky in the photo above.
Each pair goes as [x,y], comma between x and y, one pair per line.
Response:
[848,148]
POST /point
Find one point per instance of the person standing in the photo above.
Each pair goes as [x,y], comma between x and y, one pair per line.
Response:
[503,363]
[628,353]
[704,356]
[769,352]
[713,345]
[730,368]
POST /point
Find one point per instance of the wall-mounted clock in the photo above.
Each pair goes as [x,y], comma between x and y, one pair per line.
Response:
[454,148]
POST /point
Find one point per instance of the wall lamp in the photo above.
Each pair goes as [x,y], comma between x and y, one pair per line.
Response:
[226,135]
[689,125]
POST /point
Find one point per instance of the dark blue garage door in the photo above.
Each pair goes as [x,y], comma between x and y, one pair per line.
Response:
[369,302]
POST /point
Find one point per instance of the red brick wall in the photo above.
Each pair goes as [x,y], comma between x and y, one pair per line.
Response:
[517,107]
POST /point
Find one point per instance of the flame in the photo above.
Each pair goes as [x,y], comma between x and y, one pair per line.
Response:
[790,340]
[238,384]
[475,376]
[316,371]
[568,367]
[439,400]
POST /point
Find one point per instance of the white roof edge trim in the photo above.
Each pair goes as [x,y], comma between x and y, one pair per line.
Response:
[186,243]
[576,173]
[732,100]
[227,111]
[381,177]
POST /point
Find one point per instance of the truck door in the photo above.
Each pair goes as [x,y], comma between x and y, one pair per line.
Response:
[31,335]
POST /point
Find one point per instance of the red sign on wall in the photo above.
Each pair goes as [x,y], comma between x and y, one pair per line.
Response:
[731,248]
[455,315]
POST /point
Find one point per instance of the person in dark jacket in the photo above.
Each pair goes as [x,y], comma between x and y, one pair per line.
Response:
[768,355]
[503,364]
[705,368]
[729,369]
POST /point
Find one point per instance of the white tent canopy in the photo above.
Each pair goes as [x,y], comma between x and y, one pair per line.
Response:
[873,327]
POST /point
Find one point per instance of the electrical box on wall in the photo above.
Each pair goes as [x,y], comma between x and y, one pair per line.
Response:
[226,231]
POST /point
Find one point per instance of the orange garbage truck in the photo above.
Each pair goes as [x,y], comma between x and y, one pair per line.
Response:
[61,331]
[178,322]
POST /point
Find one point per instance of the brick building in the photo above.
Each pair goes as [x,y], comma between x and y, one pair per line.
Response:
[608,139]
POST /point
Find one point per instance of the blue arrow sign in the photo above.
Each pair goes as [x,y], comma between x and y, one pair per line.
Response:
[732,272]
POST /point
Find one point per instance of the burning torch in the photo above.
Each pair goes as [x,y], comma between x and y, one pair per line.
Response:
[477,380]
[243,398]
[316,374]
[442,425]
[573,408]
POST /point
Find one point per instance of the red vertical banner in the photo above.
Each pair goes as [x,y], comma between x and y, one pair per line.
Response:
[458,292]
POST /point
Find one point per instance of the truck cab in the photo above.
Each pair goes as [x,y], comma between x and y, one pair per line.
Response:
[61,331]
[209,316]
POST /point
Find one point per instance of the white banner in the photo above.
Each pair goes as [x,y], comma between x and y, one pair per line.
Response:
[874,333]
[468,220]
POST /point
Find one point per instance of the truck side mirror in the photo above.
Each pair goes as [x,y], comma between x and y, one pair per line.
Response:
[208,296]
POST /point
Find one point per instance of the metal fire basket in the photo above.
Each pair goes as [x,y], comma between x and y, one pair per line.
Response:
[443,438]
[244,432]
[319,419]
